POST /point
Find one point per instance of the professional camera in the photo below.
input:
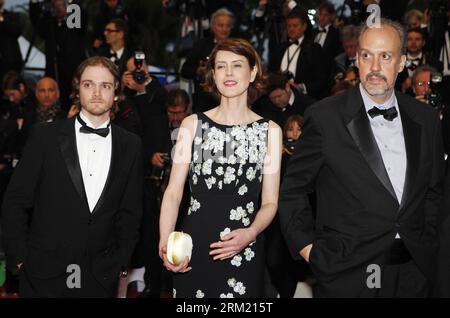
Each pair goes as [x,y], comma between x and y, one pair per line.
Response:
[434,98]
[290,144]
[159,174]
[138,73]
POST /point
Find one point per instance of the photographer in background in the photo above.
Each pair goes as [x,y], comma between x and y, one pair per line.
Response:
[282,99]
[117,50]
[425,82]
[195,66]
[158,142]
[143,90]
[64,46]
[10,30]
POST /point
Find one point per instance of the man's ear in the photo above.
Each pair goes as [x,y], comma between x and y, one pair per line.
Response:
[402,63]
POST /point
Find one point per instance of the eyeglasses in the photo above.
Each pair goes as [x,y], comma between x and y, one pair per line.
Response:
[422,83]
[111,30]
[176,113]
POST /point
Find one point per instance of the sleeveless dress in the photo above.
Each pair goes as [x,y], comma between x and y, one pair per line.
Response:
[225,178]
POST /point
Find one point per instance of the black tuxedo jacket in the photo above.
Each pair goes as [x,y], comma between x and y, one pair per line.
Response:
[426,59]
[62,230]
[358,214]
[312,69]
[332,45]
[267,109]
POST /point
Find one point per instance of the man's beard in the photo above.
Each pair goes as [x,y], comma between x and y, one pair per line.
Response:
[377,89]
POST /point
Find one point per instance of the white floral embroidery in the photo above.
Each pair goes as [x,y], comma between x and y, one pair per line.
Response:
[236,261]
[243,190]
[222,160]
[195,205]
[205,125]
[229,175]
[249,254]
[219,171]
[197,168]
[194,179]
[251,173]
[198,140]
[195,156]
[210,181]
[250,207]
[240,170]
[199,294]
[246,221]
[232,159]
[215,140]
[224,232]
[219,185]
[206,168]
[229,295]
[239,288]
[231,282]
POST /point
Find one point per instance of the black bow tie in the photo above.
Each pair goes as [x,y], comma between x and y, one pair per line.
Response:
[388,114]
[322,31]
[85,129]
[293,42]
[113,57]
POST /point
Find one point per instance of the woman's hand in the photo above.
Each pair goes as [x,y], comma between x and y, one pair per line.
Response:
[232,243]
[181,268]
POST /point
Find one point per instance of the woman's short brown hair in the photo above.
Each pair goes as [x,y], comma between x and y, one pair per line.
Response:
[239,47]
[96,61]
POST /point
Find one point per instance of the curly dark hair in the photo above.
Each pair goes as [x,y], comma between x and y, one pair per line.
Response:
[239,47]
[96,61]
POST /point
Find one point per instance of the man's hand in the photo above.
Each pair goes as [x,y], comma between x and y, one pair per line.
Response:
[305,252]
[158,159]
[422,98]
[286,151]
[128,81]
[73,111]
[97,43]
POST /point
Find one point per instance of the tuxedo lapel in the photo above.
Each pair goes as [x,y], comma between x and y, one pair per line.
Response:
[412,135]
[116,154]
[68,146]
[359,129]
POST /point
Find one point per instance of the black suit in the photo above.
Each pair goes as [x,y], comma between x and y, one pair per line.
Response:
[202,101]
[332,45]
[426,59]
[358,214]
[311,69]
[267,109]
[62,230]
[120,63]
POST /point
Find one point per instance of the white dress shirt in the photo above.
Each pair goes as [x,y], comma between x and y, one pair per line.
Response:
[414,59]
[290,57]
[391,142]
[444,57]
[94,153]
[322,36]
[119,54]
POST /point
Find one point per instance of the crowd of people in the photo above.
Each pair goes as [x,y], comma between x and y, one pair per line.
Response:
[323,158]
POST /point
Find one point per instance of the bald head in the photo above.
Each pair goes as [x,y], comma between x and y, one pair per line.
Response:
[47,92]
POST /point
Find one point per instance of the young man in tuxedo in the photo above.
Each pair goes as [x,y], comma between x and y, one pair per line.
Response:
[81,181]
[375,159]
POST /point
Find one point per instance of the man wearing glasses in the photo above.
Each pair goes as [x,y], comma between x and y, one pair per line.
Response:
[117,51]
